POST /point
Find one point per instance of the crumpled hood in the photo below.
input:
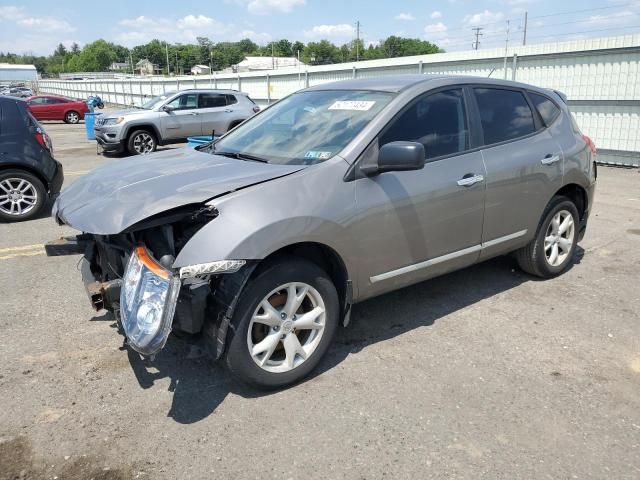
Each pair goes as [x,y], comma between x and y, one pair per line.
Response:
[113,197]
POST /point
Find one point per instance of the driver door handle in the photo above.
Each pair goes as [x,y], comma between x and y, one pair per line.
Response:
[550,159]
[470,179]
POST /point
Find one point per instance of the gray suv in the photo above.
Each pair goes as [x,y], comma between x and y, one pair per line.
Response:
[257,245]
[171,118]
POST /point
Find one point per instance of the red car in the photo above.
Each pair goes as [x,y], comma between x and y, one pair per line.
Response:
[49,107]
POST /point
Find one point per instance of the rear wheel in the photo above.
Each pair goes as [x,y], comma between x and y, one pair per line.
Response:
[550,253]
[72,117]
[286,319]
[142,142]
[22,195]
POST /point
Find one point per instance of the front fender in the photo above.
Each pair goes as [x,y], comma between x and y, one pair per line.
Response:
[230,238]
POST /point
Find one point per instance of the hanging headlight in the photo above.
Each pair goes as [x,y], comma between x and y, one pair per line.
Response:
[147,302]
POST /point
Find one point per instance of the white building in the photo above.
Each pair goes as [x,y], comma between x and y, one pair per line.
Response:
[10,72]
[200,70]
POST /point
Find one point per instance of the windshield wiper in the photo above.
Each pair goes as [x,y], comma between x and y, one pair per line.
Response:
[241,156]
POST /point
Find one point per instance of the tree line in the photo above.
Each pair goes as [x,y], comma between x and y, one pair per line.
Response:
[98,56]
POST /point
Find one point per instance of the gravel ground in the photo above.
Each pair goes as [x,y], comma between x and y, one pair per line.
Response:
[483,373]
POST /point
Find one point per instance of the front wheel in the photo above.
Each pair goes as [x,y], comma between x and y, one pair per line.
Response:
[142,142]
[551,251]
[286,319]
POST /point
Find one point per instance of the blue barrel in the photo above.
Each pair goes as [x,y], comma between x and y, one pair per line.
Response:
[89,123]
[198,140]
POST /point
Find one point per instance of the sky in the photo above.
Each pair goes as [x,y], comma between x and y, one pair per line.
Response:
[37,26]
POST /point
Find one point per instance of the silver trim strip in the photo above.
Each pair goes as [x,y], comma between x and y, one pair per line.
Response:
[506,238]
[444,258]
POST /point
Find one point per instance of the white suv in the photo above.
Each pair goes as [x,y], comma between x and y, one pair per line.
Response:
[171,118]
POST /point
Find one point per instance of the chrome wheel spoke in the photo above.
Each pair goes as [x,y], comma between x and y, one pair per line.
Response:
[292,349]
[555,224]
[6,186]
[270,315]
[294,299]
[553,258]
[308,320]
[564,244]
[266,348]
[566,224]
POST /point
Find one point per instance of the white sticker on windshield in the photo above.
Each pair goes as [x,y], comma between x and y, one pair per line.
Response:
[361,106]
[319,155]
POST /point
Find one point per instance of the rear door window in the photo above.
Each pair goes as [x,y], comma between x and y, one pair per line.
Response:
[231,99]
[437,120]
[504,114]
[211,100]
[548,110]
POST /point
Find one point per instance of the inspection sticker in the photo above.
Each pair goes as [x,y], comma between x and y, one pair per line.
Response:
[361,106]
[319,155]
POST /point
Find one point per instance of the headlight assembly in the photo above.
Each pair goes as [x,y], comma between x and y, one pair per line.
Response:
[212,268]
[112,121]
[147,302]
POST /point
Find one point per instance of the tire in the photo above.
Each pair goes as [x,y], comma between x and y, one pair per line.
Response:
[71,117]
[22,195]
[274,284]
[141,142]
[537,258]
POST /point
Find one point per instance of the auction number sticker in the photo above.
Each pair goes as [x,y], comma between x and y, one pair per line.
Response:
[360,106]
[312,155]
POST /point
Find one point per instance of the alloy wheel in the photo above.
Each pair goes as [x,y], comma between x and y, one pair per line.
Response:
[143,143]
[17,196]
[73,117]
[559,237]
[286,327]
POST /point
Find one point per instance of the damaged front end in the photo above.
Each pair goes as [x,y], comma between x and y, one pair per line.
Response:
[131,274]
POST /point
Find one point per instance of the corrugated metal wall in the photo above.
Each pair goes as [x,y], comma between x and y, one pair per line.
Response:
[600,76]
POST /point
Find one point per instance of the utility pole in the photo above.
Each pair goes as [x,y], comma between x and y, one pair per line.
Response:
[166,47]
[358,41]
[477,31]
[506,48]
[524,36]
[133,72]
[273,59]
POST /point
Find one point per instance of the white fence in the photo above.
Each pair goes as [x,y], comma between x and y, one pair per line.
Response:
[600,76]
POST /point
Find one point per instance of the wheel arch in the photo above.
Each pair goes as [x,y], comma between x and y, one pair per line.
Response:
[27,169]
[324,257]
[150,127]
[577,194]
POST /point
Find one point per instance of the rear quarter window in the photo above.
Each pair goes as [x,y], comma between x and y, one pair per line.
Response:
[547,109]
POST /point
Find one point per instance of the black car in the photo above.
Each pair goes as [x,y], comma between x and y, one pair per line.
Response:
[29,175]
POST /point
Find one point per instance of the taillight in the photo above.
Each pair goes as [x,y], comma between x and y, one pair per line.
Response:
[256,109]
[43,139]
[590,144]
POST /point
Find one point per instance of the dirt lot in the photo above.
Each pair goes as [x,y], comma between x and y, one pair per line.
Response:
[484,373]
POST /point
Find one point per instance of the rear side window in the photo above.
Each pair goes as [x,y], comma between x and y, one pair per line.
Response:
[548,110]
[504,114]
[436,120]
[211,100]
[231,99]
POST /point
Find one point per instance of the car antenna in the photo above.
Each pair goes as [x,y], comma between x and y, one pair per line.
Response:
[491,72]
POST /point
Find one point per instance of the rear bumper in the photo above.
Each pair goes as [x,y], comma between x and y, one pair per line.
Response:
[56,182]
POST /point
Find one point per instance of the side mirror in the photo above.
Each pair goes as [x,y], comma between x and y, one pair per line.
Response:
[167,108]
[396,157]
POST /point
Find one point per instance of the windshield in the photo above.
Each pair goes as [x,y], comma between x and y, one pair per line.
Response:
[156,101]
[306,127]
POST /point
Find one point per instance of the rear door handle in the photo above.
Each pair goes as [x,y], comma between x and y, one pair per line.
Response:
[193,113]
[469,180]
[228,111]
[550,159]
